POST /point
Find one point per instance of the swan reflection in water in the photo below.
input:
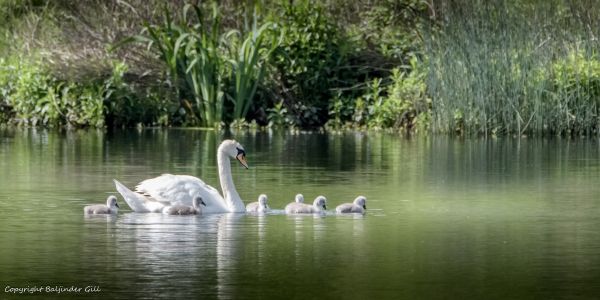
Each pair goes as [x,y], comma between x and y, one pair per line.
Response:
[181,256]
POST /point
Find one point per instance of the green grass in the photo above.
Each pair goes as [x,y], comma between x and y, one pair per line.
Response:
[495,68]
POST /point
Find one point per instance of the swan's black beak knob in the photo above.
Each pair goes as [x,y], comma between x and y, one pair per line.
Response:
[241,157]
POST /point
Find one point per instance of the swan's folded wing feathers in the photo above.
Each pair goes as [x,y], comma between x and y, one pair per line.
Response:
[180,189]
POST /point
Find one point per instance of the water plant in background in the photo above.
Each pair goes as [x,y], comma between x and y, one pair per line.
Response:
[198,65]
[278,116]
[33,96]
[340,112]
[307,61]
[573,97]
[190,50]
[248,58]
[514,68]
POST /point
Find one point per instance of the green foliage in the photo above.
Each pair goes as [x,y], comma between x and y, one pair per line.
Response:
[340,112]
[390,28]
[190,51]
[512,69]
[31,96]
[197,63]
[308,61]
[37,98]
[248,61]
[129,103]
[402,103]
[407,105]
[573,100]
[278,116]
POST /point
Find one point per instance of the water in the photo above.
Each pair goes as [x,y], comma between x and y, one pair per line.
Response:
[447,218]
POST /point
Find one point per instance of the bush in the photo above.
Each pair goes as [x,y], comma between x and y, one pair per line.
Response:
[32,96]
[307,62]
[407,105]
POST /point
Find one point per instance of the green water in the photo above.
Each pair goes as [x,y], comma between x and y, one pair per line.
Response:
[447,218]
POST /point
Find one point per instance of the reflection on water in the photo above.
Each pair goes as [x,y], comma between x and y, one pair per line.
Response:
[447,218]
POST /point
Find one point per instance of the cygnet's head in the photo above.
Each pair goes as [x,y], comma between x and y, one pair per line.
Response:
[320,201]
[361,201]
[198,201]
[235,150]
[111,202]
[299,198]
[262,200]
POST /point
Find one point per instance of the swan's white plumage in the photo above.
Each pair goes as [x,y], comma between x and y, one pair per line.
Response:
[152,195]
[318,206]
[358,206]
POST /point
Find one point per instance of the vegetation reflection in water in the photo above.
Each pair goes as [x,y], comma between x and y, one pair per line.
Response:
[447,217]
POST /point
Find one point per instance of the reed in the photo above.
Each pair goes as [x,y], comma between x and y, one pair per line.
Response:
[248,58]
[190,50]
[499,67]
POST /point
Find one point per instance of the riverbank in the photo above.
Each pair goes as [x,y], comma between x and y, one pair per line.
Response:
[409,66]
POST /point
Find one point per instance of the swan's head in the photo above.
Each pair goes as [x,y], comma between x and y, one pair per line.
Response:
[299,198]
[111,202]
[320,202]
[234,149]
[198,201]
[262,200]
[361,201]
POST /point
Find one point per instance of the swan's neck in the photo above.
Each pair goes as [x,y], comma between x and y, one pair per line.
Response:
[230,194]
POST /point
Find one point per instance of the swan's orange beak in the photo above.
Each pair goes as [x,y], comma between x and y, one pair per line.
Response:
[242,159]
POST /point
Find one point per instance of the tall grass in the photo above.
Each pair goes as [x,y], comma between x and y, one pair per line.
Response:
[495,67]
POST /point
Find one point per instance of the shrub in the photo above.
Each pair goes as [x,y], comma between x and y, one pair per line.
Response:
[32,96]
[307,61]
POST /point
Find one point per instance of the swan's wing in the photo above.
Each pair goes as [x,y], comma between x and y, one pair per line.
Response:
[181,189]
[138,202]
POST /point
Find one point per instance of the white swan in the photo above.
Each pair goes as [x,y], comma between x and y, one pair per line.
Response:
[111,207]
[179,209]
[152,195]
[318,206]
[299,198]
[358,206]
[260,206]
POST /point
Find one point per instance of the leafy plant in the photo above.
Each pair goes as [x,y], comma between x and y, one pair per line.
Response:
[278,116]
[248,61]
[308,60]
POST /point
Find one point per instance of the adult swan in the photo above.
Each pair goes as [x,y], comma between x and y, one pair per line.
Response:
[152,195]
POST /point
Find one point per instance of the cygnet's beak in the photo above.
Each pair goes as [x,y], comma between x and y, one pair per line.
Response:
[202,202]
[365,206]
[117,205]
[242,159]
[324,206]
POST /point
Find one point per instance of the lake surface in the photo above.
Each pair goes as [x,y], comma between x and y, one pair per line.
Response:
[448,218]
